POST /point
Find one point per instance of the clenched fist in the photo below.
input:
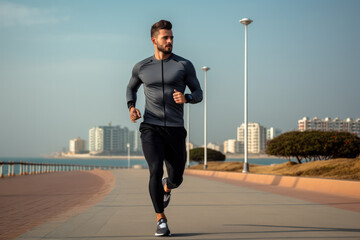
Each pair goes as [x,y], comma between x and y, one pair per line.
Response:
[134,114]
[179,97]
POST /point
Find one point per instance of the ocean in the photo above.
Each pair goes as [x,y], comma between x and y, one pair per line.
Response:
[119,163]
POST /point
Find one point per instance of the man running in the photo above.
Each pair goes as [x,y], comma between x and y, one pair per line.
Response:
[164,77]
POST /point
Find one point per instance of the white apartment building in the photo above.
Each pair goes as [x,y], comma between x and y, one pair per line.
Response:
[272,133]
[256,137]
[105,139]
[329,124]
[189,146]
[213,146]
[77,145]
[96,140]
[135,139]
[113,140]
[230,146]
[233,146]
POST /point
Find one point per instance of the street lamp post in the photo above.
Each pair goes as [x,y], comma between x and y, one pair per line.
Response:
[246,22]
[128,148]
[205,69]
[188,135]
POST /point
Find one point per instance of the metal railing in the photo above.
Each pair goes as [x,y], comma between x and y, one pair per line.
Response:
[10,169]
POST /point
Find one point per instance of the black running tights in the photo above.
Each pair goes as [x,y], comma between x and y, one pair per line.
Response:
[163,144]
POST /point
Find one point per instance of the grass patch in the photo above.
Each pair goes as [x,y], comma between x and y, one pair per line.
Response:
[341,168]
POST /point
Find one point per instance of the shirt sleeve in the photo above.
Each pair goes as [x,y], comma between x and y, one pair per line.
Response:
[193,83]
[133,86]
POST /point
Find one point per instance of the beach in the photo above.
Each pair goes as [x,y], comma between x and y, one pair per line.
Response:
[27,201]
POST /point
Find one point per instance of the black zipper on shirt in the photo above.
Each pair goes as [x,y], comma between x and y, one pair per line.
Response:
[163,88]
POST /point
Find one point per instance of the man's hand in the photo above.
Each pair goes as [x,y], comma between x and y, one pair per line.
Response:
[179,97]
[134,114]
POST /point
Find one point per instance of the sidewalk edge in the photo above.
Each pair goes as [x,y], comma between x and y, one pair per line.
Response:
[346,188]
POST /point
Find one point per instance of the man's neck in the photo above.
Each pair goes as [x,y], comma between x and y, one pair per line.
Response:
[161,56]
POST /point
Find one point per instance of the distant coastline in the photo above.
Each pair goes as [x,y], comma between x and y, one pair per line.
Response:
[251,155]
[89,156]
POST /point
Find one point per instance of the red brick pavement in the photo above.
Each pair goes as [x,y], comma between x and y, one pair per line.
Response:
[27,201]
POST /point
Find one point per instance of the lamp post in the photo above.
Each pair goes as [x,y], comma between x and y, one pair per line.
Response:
[246,22]
[128,148]
[205,69]
[188,135]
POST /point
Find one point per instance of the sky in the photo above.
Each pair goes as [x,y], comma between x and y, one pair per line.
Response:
[65,65]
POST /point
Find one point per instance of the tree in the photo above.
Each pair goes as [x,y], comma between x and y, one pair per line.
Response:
[314,145]
[197,154]
[286,145]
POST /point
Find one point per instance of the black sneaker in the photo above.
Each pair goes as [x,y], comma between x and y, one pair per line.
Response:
[162,228]
[167,195]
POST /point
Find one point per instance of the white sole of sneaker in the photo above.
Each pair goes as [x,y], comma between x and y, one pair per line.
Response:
[162,235]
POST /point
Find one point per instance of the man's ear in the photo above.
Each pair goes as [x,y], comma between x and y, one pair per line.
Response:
[153,40]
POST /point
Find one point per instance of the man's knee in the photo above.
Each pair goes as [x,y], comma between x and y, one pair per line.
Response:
[175,183]
[156,172]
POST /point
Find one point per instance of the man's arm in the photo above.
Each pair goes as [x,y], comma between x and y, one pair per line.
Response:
[131,94]
[193,83]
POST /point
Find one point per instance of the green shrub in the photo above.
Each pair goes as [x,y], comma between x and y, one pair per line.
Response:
[197,155]
[314,145]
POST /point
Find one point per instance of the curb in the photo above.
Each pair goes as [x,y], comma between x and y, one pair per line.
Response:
[346,188]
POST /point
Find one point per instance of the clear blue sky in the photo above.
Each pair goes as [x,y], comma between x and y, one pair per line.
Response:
[64,65]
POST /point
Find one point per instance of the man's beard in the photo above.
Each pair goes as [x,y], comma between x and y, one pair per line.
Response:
[164,49]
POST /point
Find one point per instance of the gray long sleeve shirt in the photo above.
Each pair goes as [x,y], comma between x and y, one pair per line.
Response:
[160,78]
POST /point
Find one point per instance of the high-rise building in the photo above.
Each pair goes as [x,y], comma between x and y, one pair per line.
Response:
[213,146]
[105,139]
[113,140]
[96,140]
[124,139]
[229,146]
[77,145]
[328,124]
[272,133]
[233,146]
[135,141]
[256,137]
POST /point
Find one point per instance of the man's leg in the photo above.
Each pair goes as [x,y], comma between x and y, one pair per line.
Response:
[175,156]
[153,149]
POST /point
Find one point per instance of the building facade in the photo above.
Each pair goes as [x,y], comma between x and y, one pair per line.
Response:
[77,145]
[213,146]
[233,146]
[113,140]
[256,137]
[230,146]
[96,140]
[272,133]
[328,124]
[135,139]
[189,146]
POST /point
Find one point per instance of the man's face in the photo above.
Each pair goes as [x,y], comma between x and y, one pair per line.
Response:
[164,41]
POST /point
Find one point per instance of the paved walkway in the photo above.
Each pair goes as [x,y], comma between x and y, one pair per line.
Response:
[202,209]
[27,201]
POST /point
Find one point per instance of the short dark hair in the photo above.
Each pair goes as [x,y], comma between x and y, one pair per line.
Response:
[162,24]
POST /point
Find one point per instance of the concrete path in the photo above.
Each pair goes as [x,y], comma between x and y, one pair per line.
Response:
[202,209]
